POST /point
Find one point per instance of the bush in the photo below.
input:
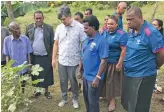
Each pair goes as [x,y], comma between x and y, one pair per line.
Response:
[12,97]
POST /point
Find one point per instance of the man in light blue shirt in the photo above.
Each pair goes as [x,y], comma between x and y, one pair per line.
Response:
[18,48]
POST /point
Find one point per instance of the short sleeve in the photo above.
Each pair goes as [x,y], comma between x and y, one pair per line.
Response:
[29,47]
[103,48]
[82,34]
[156,41]
[57,33]
[123,39]
[6,47]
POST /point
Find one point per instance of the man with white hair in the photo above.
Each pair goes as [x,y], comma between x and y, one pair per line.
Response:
[18,48]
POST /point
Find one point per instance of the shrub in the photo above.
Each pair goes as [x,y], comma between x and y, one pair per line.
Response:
[12,97]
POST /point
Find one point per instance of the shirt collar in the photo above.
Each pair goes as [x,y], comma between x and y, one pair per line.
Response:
[95,37]
[36,27]
[141,29]
[12,38]
[114,31]
[118,14]
[72,24]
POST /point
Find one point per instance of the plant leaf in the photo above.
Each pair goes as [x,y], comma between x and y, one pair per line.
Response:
[12,107]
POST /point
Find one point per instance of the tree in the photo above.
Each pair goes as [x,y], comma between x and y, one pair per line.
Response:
[154,11]
[9,10]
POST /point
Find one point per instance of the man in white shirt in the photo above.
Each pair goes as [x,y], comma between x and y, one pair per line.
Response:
[68,37]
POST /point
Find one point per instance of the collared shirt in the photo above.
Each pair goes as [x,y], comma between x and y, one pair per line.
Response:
[120,23]
[69,38]
[38,44]
[115,40]
[94,49]
[140,59]
[17,49]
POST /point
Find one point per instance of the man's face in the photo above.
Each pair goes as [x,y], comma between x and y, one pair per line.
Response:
[87,29]
[38,19]
[112,25]
[133,21]
[122,9]
[77,18]
[16,31]
[87,13]
[65,20]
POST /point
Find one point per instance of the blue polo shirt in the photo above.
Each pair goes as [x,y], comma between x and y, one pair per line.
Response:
[120,23]
[115,40]
[141,49]
[94,49]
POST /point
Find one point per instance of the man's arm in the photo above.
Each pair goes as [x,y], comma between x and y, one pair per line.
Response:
[100,71]
[7,59]
[54,55]
[160,58]
[101,67]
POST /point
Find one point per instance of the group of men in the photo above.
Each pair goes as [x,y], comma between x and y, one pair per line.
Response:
[78,45]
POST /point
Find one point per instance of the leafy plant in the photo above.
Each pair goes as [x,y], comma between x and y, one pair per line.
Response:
[11,90]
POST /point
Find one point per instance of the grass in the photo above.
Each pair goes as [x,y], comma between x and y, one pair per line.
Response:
[44,105]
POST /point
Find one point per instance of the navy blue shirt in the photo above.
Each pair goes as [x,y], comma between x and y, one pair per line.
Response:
[115,40]
[141,49]
[94,49]
[120,23]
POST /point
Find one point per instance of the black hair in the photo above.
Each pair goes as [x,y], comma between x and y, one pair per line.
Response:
[38,12]
[92,21]
[137,11]
[90,10]
[115,18]
[160,23]
[79,14]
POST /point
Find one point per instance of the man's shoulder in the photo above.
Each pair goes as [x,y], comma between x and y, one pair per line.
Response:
[30,25]
[48,25]
[7,38]
[149,29]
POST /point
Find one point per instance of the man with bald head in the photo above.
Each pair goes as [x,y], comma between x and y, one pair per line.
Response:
[144,55]
[121,7]
[17,47]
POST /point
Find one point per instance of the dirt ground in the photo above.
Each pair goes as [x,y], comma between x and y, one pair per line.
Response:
[42,104]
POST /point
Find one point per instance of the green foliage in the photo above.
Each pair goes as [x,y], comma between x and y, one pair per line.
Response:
[12,96]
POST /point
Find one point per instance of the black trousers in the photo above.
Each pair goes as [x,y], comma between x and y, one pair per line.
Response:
[137,93]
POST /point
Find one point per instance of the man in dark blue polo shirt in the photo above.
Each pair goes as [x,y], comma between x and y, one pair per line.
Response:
[94,55]
[144,55]
[121,7]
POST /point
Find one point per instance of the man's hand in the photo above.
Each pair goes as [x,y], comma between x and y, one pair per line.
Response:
[79,75]
[95,82]
[54,63]
[118,67]
[29,68]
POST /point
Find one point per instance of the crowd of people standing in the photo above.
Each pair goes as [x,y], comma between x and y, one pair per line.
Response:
[110,61]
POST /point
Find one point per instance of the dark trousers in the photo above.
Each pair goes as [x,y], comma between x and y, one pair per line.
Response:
[3,62]
[137,93]
[91,96]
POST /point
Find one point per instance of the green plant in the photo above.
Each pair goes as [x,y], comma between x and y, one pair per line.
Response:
[11,90]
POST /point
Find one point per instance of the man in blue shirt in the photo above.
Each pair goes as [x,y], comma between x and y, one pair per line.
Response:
[18,48]
[144,54]
[119,12]
[94,55]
